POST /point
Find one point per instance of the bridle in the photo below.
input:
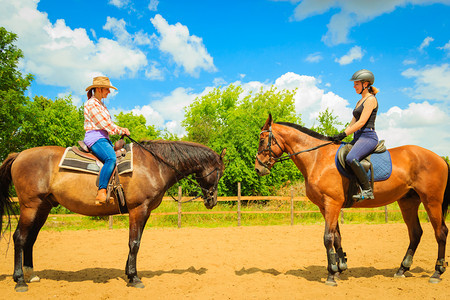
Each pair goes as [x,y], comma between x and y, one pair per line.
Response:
[209,193]
[272,155]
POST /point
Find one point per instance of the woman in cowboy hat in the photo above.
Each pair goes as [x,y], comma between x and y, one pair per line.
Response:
[98,126]
[365,138]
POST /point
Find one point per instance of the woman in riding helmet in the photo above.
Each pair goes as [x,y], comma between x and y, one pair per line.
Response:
[362,125]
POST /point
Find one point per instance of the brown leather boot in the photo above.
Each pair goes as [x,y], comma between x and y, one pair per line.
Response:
[101,197]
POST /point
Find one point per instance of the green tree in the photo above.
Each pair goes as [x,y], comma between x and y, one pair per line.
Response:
[328,124]
[49,122]
[223,119]
[12,94]
[137,126]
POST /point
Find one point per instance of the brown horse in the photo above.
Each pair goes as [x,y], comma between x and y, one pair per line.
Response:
[40,185]
[418,176]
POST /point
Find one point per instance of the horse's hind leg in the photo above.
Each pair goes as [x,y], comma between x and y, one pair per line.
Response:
[30,222]
[39,220]
[409,206]
[433,205]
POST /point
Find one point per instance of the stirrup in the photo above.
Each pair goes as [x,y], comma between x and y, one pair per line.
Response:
[363,195]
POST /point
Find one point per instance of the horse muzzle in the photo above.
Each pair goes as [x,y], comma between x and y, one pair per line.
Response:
[210,200]
[261,170]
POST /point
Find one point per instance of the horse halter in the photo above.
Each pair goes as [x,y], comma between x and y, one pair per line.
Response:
[272,155]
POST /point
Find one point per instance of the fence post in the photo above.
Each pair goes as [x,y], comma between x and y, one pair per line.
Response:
[110,222]
[292,206]
[385,214]
[239,204]
[179,206]
[342,216]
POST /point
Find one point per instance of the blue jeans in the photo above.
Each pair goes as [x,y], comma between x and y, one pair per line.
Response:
[364,142]
[104,151]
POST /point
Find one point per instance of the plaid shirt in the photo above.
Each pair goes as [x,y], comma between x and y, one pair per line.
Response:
[97,117]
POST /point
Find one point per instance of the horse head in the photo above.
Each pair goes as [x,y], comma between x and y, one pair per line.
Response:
[208,179]
[269,149]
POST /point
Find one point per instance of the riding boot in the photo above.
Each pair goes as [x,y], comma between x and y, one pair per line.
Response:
[101,197]
[361,175]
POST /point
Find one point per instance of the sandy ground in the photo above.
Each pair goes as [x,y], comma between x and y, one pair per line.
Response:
[274,262]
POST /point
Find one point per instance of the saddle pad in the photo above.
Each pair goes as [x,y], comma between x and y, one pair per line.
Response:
[382,165]
[73,161]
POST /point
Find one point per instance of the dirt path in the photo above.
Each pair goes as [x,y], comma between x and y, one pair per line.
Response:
[279,262]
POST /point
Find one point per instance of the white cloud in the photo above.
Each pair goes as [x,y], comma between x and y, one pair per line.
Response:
[314,57]
[61,56]
[431,82]
[355,53]
[409,62]
[347,14]
[154,73]
[186,50]
[119,3]
[418,124]
[153,5]
[117,27]
[426,42]
[446,47]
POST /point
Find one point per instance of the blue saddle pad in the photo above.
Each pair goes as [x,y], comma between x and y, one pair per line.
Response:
[382,165]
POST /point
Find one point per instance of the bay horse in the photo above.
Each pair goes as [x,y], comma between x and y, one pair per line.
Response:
[418,176]
[40,185]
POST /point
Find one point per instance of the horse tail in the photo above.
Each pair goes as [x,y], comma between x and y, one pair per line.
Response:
[6,204]
[446,201]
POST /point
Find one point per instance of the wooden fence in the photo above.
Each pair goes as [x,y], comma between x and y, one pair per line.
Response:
[239,198]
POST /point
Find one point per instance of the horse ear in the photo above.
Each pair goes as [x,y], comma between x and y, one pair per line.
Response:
[222,154]
[268,123]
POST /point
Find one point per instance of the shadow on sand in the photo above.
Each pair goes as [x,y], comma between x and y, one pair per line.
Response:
[319,273]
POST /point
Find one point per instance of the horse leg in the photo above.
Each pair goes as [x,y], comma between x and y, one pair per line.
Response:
[20,237]
[341,256]
[138,217]
[409,207]
[434,209]
[331,220]
[41,217]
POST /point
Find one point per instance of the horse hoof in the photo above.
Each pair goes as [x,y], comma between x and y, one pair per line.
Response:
[396,275]
[330,283]
[434,280]
[136,283]
[21,287]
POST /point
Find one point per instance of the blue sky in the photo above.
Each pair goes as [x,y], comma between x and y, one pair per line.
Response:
[163,54]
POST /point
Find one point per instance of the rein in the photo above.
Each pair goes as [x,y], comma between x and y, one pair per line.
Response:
[287,156]
[179,173]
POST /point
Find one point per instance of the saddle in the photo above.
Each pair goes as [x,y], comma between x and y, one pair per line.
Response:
[114,185]
[367,163]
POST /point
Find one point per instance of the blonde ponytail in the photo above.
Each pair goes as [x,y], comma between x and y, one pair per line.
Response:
[373,90]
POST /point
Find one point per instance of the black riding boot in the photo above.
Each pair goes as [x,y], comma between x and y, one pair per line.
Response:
[361,175]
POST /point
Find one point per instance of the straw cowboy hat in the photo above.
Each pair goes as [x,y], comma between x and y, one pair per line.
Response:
[101,81]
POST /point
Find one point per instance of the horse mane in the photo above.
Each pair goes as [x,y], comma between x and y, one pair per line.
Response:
[182,155]
[306,130]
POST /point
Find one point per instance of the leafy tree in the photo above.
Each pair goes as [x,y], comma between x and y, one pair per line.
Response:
[137,126]
[328,124]
[12,88]
[50,122]
[221,119]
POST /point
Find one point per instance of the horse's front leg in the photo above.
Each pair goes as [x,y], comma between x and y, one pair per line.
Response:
[137,218]
[331,215]
[341,256]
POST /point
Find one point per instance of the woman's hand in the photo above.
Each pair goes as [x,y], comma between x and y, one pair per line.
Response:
[125,131]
